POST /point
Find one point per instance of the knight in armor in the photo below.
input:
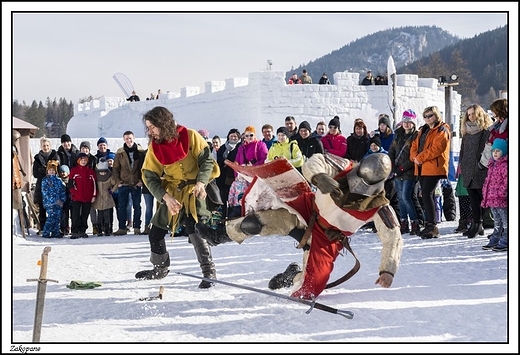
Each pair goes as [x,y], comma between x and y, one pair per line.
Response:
[348,196]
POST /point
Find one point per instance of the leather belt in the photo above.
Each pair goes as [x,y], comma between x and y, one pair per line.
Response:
[185,183]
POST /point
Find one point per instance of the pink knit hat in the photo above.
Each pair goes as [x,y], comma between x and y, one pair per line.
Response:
[409,116]
[204,133]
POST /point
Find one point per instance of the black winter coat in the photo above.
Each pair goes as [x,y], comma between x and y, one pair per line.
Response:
[399,154]
[357,147]
[40,171]
[470,150]
[309,146]
[64,158]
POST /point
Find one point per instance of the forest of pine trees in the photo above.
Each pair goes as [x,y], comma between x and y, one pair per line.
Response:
[51,118]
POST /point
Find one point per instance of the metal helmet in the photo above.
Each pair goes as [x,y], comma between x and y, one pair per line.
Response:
[368,177]
[16,135]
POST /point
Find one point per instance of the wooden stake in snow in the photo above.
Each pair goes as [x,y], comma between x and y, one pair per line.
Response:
[40,294]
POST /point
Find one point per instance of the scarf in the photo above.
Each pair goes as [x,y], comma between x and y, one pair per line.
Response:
[170,152]
[230,146]
[472,128]
[132,153]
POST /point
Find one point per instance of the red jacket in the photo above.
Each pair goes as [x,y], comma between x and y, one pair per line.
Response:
[82,183]
[335,144]
[324,252]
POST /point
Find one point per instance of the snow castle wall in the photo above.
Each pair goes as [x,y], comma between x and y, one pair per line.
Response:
[264,97]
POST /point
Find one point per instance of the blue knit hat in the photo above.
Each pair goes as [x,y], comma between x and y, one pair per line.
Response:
[111,155]
[501,144]
[102,140]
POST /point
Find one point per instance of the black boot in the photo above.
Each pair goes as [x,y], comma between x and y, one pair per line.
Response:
[107,230]
[474,229]
[160,267]
[462,227]
[212,236]
[286,278]
[203,252]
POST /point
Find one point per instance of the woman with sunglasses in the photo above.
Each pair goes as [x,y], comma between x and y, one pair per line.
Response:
[430,152]
[252,151]
[334,142]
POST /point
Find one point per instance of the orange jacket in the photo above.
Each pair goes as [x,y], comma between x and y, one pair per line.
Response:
[436,152]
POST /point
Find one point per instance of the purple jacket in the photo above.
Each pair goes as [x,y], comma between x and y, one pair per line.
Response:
[254,153]
[494,191]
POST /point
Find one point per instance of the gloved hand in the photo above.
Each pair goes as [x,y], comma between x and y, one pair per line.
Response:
[328,185]
[480,166]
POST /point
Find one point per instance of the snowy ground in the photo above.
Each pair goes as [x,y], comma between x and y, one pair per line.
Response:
[448,293]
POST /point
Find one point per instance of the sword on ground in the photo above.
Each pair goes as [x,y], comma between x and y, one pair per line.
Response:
[40,295]
[313,303]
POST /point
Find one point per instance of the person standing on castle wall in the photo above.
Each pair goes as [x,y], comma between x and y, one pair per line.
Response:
[368,79]
[292,126]
[358,141]
[158,94]
[294,79]
[269,137]
[133,97]
[334,142]
[152,97]
[39,172]
[324,80]
[305,78]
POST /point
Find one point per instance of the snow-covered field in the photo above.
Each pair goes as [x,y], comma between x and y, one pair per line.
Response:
[447,292]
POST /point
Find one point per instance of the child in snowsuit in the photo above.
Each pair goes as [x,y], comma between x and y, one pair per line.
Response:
[53,196]
[494,195]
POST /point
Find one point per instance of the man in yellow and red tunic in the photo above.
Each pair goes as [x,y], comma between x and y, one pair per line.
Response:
[177,170]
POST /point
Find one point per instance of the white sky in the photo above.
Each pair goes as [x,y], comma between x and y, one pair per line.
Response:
[448,292]
[75,54]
